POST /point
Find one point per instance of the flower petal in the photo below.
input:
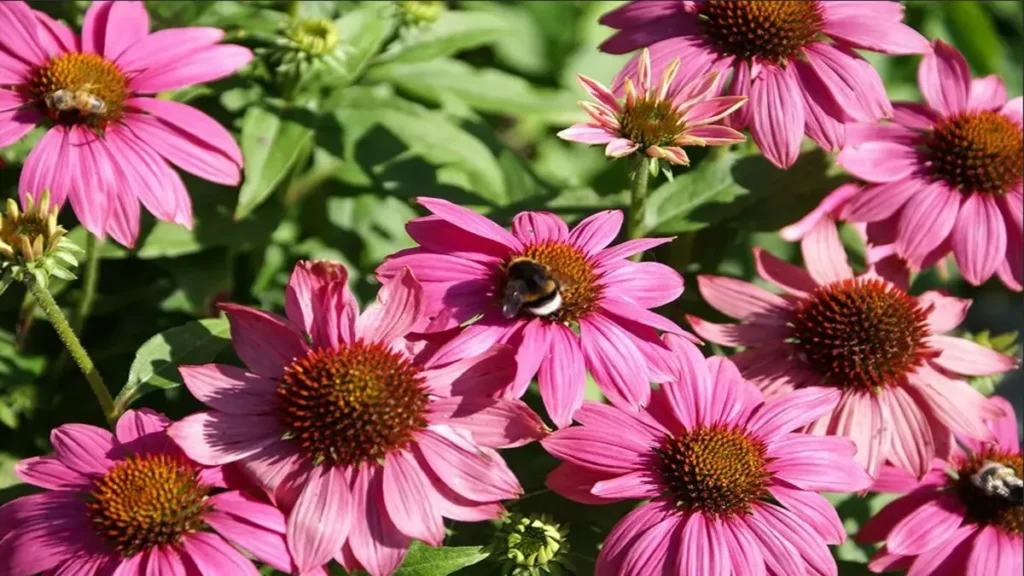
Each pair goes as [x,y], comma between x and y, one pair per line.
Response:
[945,79]
[926,220]
[979,238]
[562,376]
[195,67]
[783,274]
[868,30]
[912,447]
[587,134]
[469,473]
[86,449]
[596,232]
[966,357]
[230,389]
[796,409]
[186,150]
[777,124]
[126,23]
[408,502]
[212,555]
[21,36]
[609,451]
[470,221]
[742,300]
[931,524]
[320,522]
[537,227]
[50,473]
[614,361]
[264,341]
[399,307]
[214,438]
[879,162]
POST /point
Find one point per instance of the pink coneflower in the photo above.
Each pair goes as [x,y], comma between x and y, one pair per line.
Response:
[131,503]
[946,176]
[657,120]
[463,262]
[865,336]
[965,517]
[731,486]
[795,60]
[108,147]
[365,444]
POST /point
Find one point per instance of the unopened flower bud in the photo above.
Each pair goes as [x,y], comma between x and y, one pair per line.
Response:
[531,546]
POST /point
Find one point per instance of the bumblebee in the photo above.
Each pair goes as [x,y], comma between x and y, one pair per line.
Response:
[530,286]
[81,100]
[997,480]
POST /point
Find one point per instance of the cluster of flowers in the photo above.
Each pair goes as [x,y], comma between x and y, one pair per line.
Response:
[349,434]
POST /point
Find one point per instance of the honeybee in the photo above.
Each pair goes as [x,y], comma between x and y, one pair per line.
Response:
[81,100]
[997,480]
[530,286]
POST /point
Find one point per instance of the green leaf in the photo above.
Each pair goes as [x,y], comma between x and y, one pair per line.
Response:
[156,363]
[271,144]
[975,35]
[452,33]
[485,90]
[425,560]
[364,31]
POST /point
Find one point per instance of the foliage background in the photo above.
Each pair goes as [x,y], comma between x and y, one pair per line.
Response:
[465,109]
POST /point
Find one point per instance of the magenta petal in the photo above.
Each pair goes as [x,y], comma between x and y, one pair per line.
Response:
[945,79]
[814,510]
[854,87]
[979,238]
[780,556]
[212,555]
[650,552]
[783,274]
[562,376]
[127,23]
[695,548]
[470,221]
[55,36]
[914,115]
[86,449]
[455,506]
[743,551]
[164,559]
[928,526]
[792,411]
[264,341]
[926,220]
[466,471]
[603,416]
[46,168]
[742,300]
[994,552]
[537,227]
[21,33]
[954,403]
[375,540]
[150,178]
[84,565]
[142,430]
[641,484]
[186,150]
[868,30]
[399,307]
[484,374]
[608,451]
[320,522]
[876,203]
[230,389]
[205,65]
[912,446]
[596,232]
[624,536]
[807,542]
[408,503]
[305,296]
[1005,428]
[50,473]
[777,124]
[28,551]
[816,463]
[165,47]
[879,162]
[215,438]
[438,235]
[648,284]
[614,361]
[576,482]
[16,122]
[190,120]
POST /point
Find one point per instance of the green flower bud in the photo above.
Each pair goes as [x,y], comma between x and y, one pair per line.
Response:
[314,36]
[31,242]
[420,13]
[531,546]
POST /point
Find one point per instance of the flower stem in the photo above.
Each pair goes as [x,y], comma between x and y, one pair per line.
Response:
[91,279]
[640,177]
[74,347]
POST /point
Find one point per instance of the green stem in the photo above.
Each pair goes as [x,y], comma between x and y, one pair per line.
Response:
[91,279]
[74,347]
[640,177]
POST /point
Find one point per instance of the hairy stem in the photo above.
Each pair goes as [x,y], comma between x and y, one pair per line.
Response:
[74,347]
[640,177]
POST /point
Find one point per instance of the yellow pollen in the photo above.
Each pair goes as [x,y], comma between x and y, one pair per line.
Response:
[988,509]
[146,501]
[716,470]
[79,88]
[977,152]
[351,405]
[651,122]
[578,283]
[769,31]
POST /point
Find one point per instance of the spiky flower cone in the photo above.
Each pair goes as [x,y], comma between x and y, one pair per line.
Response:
[32,244]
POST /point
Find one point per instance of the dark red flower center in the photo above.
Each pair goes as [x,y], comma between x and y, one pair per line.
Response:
[758,30]
[716,470]
[977,152]
[985,508]
[578,283]
[651,122]
[861,333]
[353,404]
[146,501]
[78,88]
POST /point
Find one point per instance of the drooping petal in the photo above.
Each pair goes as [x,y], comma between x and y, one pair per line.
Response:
[912,446]
[320,521]
[186,150]
[622,539]
[399,307]
[879,162]
[814,509]
[945,79]
[467,472]
[926,220]
[612,451]
[954,403]
[853,86]
[408,503]
[966,357]
[212,555]
[868,30]
[979,238]
[738,334]
[807,542]
[215,438]
[614,361]
[650,552]
[817,463]
[777,123]
[742,300]
[865,419]
[562,376]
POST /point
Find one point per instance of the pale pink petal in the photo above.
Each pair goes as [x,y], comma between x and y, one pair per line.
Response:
[277,468]
[945,79]
[742,300]
[732,398]
[698,551]
[197,67]
[987,93]
[742,550]
[305,296]
[716,135]
[408,503]
[21,37]
[931,524]
[881,201]
[868,30]
[879,162]
[608,417]
[126,23]
[827,208]
[912,446]
[470,221]
[914,115]
[979,238]
[620,147]
[712,110]
[212,555]
[1014,110]
[398,308]
[230,389]
[853,86]
[947,312]
[215,438]
[320,521]
[48,166]
[467,472]
[738,334]
[861,133]
[696,52]
[926,220]
[562,376]
[626,534]
[537,227]
[777,124]
[614,361]
[783,274]
[813,509]
[966,357]
[263,341]
[817,463]
[954,403]
[50,473]
[792,411]
[587,134]
[86,449]
[864,418]
[648,284]
[186,150]
[807,542]
[612,451]
[625,311]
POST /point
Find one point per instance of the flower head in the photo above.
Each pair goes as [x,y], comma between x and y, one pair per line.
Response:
[419,13]
[120,502]
[964,517]
[362,436]
[531,545]
[108,144]
[795,60]
[656,120]
[33,245]
[731,484]
[864,336]
[601,320]
[945,176]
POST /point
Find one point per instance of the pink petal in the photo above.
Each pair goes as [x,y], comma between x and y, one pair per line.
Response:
[587,134]
[86,449]
[783,274]
[230,389]
[816,463]
[947,312]
[457,507]
[13,70]
[742,550]
[49,166]
[309,305]
[636,33]
[642,484]
[696,549]
[245,507]
[930,525]
[649,553]
[84,565]
[212,555]
[694,51]
[814,510]
[988,93]
[532,347]
[879,162]
[926,220]
[596,232]
[610,258]
[827,208]
[738,334]
[277,468]
[954,403]
[611,451]
[15,121]
[877,528]
[614,361]
[263,341]
[966,357]
[739,86]
[37,511]
[375,540]
[1005,428]
[320,521]
[399,307]
[732,398]
[648,284]
[864,418]
[483,374]
[605,416]
[164,47]
[215,438]
[979,238]
[876,203]
[562,376]
[868,30]
[742,300]
[196,67]
[822,126]
[855,88]
[860,133]
[163,559]
[945,79]
[467,472]
[470,222]
[50,473]
[537,227]
[717,135]
[21,37]
[143,430]
[150,178]
[807,542]
[576,482]
[623,310]
[186,150]
[792,411]
[994,552]
[689,395]
[624,536]
[27,551]
[712,110]
[1014,110]
[949,557]
[778,553]
[187,119]
[620,147]
[912,445]
[55,36]
[126,23]
[440,236]
[408,503]
[777,124]
[914,115]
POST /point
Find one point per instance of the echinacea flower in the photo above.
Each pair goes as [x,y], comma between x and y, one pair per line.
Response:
[108,144]
[656,120]
[795,60]
[946,175]
[732,487]
[965,517]
[364,441]
[32,244]
[131,503]
[865,336]
[463,261]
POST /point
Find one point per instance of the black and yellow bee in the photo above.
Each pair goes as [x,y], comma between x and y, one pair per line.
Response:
[531,287]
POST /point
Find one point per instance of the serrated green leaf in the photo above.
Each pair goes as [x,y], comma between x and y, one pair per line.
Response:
[424,560]
[452,33]
[271,144]
[156,362]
